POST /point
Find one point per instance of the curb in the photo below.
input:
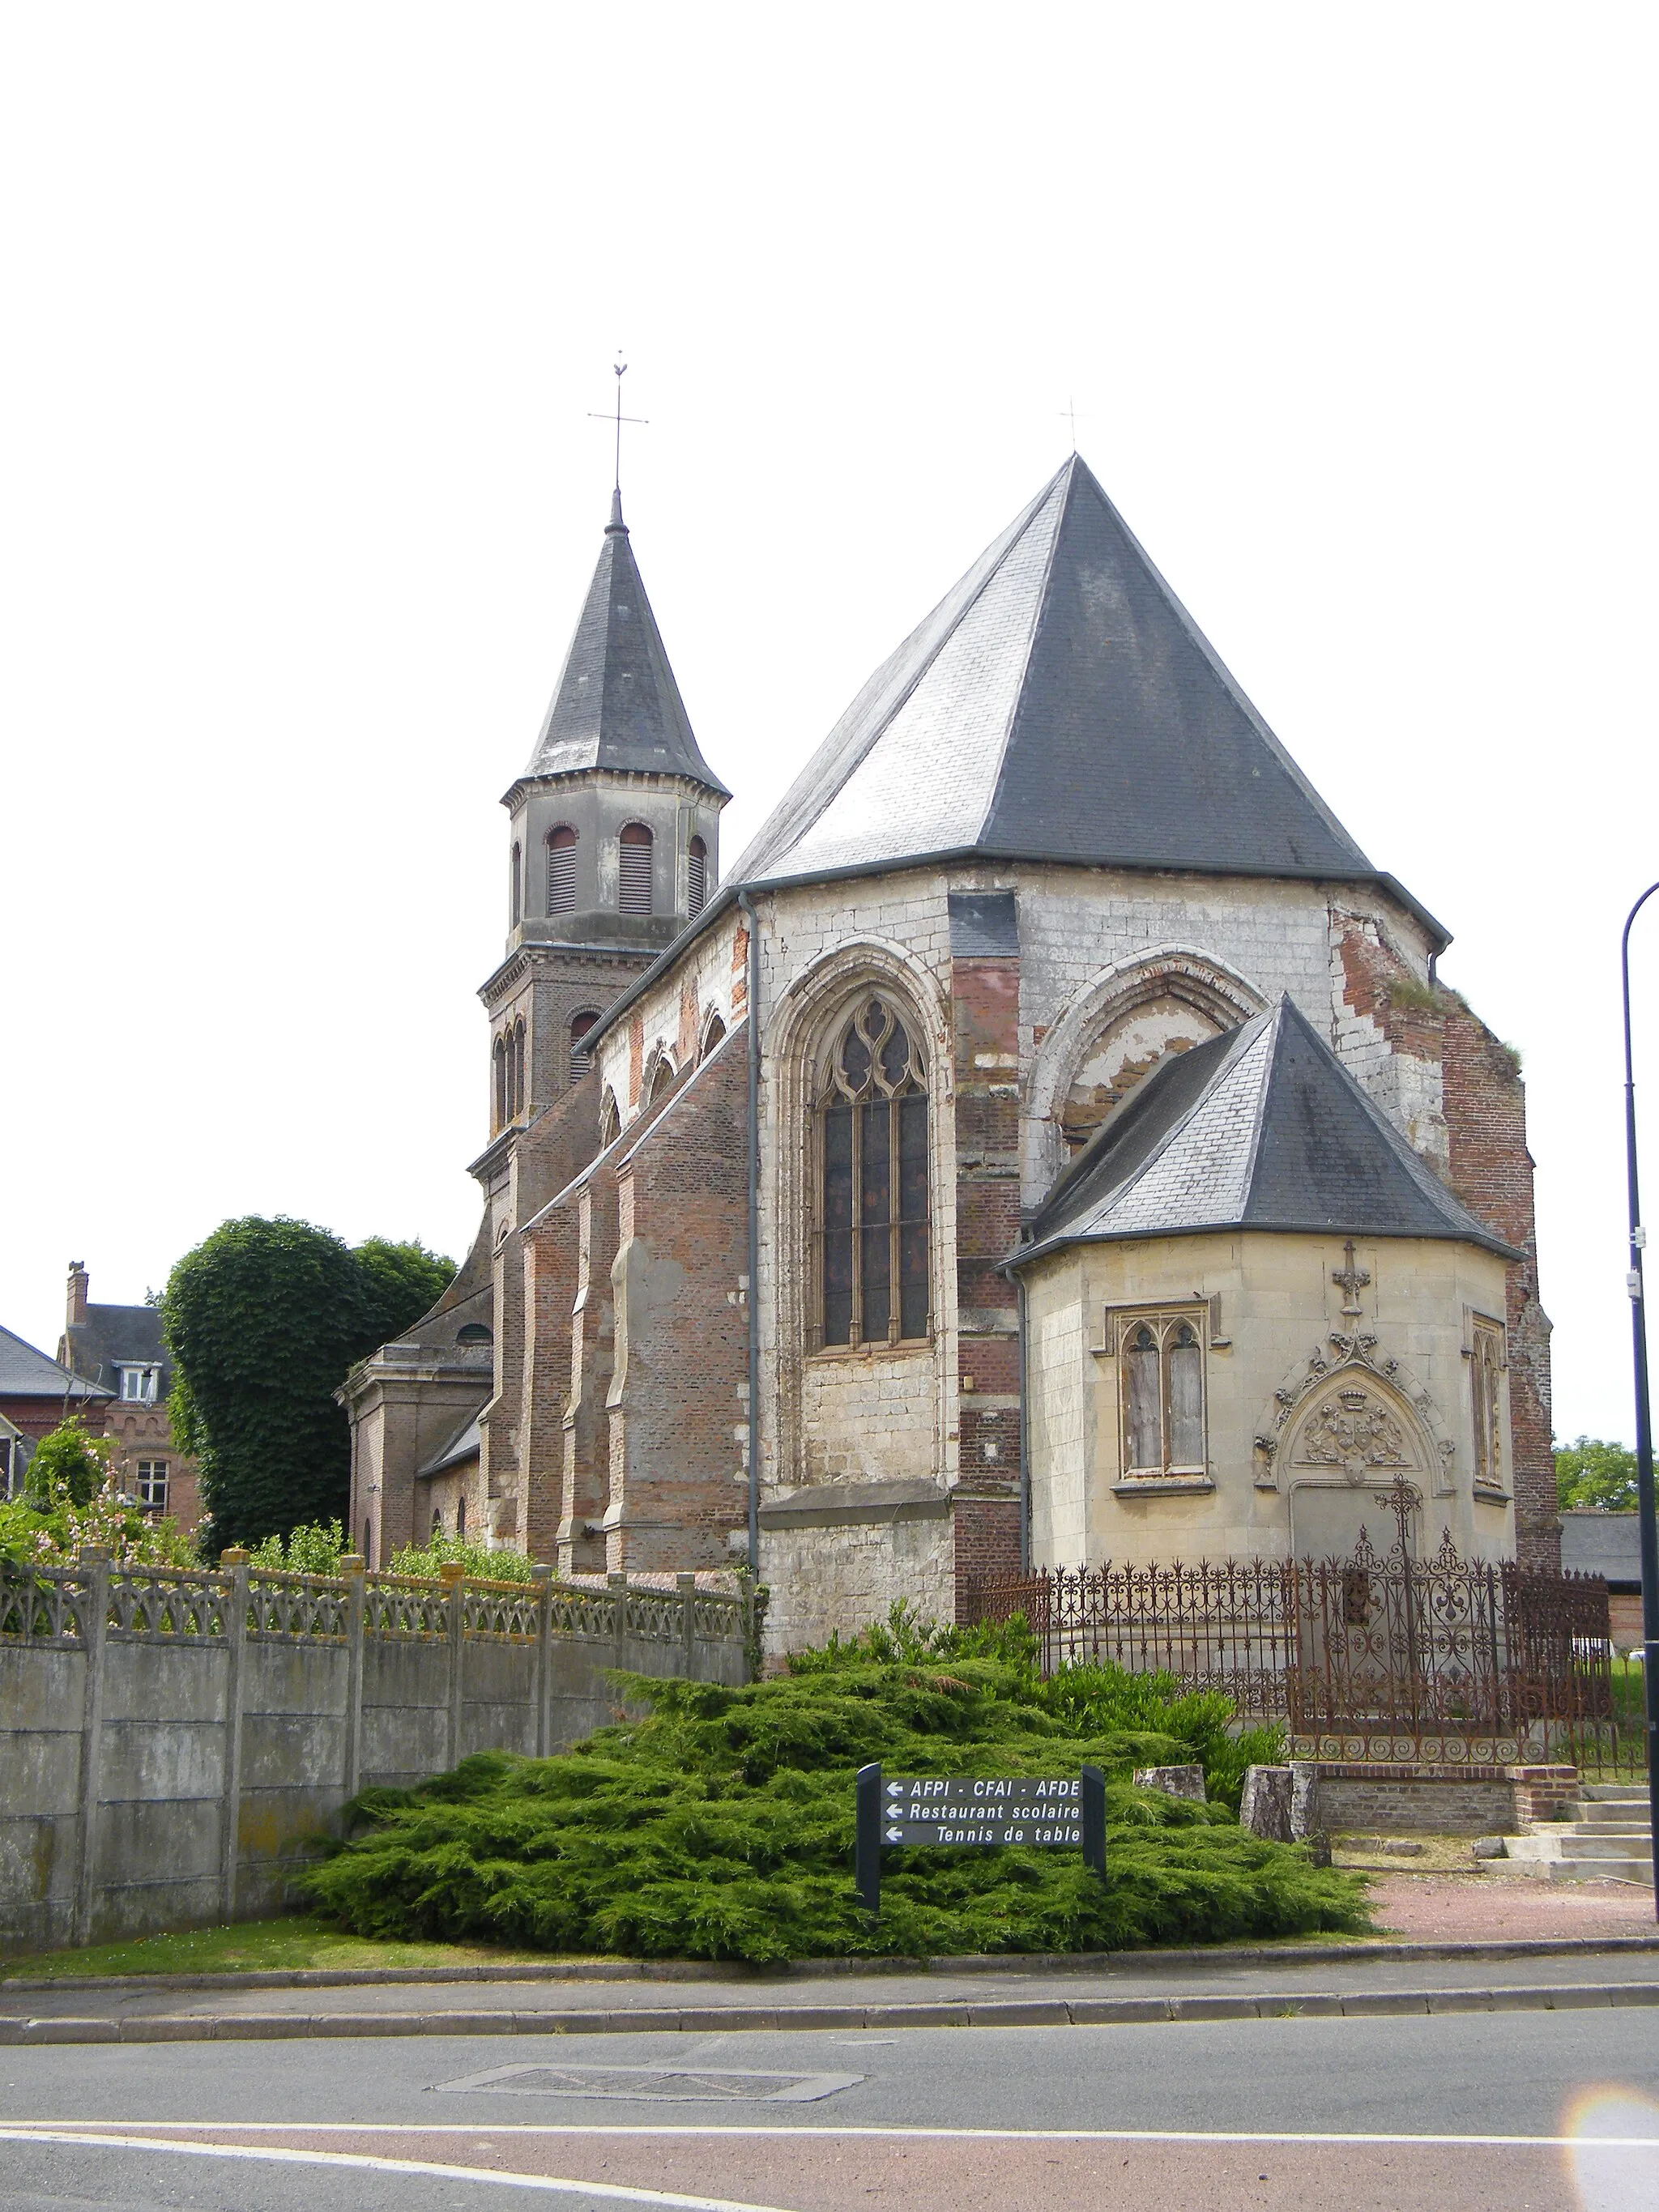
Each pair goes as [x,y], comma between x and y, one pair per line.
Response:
[1079,2012]
[710,1970]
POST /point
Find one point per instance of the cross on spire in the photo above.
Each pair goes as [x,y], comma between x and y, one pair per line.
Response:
[619,418]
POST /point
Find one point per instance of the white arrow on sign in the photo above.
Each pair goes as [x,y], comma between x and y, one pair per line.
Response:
[896,1835]
[896,1790]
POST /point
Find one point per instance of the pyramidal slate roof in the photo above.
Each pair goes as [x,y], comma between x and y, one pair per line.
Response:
[617,705]
[27,1373]
[1058,704]
[1260,1128]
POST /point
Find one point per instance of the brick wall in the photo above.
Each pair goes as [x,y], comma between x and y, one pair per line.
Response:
[675,1403]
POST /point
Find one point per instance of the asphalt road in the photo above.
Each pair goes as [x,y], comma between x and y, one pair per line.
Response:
[1437,2113]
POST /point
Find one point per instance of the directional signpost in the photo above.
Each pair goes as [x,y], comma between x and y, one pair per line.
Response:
[906,1809]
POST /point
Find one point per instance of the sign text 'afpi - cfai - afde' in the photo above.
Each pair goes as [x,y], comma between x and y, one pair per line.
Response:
[919,1810]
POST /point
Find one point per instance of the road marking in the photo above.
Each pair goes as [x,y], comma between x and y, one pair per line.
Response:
[361,2162]
[21,2130]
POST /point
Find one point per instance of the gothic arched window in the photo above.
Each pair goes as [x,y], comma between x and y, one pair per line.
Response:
[580,1025]
[561,869]
[1161,1370]
[696,877]
[662,1080]
[870,1115]
[714,1033]
[634,869]
[500,1057]
[610,1121]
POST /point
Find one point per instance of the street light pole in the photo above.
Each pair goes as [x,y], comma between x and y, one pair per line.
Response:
[1646,1527]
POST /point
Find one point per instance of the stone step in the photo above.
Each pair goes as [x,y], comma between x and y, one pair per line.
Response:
[1614,1793]
[1598,1810]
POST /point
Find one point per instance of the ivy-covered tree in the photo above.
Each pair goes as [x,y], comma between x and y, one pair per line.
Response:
[1592,1476]
[263,1319]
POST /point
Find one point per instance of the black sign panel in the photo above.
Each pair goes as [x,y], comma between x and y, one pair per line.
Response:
[923,1809]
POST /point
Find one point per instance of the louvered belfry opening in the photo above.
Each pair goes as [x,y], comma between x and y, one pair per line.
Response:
[580,1025]
[634,870]
[696,877]
[872,1226]
[561,869]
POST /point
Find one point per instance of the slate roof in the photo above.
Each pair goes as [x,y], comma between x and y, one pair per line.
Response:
[617,705]
[27,1373]
[1058,704]
[466,1442]
[112,1337]
[1260,1128]
[1608,1544]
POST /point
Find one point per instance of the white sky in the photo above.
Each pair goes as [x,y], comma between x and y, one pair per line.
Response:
[306,307]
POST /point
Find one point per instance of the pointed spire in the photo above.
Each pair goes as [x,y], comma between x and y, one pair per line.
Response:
[617,705]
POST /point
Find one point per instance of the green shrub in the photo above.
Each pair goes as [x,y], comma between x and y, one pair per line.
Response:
[482,1564]
[721,1826]
[72,1497]
[313,1548]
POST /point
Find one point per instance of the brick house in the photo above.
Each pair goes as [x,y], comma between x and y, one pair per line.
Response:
[37,1394]
[119,1352]
[810,1126]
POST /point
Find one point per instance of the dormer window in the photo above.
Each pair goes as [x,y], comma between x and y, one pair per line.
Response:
[561,869]
[138,1385]
[634,869]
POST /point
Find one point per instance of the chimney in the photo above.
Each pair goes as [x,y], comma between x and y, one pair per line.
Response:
[79,1284]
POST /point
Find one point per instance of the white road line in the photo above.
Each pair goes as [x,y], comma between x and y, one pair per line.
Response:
[22,2129]
[361,2162]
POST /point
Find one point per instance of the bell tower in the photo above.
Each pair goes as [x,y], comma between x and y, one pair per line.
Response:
[614,843]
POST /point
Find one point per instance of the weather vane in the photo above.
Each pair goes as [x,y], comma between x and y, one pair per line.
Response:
[619,418]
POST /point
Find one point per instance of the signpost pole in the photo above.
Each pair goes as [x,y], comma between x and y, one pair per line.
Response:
[1094,1819]
[866,1833]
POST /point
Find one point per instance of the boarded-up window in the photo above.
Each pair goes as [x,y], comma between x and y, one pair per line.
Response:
[1486,1377]
[634,870]
[873,1186]
[561,869]
[1161,1393]
[696,877]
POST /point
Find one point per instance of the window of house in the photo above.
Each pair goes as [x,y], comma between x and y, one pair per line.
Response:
[580,1025]
[634,869]
[138,1385]
[870,1115]
[561,869]
[696,877]
[514,894]
[1486,1371]
[152,1484]
[1160,1364]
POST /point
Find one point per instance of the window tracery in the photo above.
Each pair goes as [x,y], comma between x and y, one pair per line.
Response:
[1486,1373]
[1161,1393]
[871,1233]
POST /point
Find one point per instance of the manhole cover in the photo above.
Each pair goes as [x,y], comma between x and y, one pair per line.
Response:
[659,2085]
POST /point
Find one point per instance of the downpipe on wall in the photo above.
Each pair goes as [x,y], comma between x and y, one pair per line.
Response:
[746,907]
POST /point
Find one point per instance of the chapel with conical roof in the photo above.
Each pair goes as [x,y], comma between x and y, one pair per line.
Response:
[1050,1142]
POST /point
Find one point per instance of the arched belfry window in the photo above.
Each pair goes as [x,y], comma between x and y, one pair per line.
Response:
[634,869]
[517,857]
[580,1025]
[871,1131]
[561,869]
[696,877]
[518,1095]
[500,1056]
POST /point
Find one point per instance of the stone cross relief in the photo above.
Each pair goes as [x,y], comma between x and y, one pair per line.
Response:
[1350,1280]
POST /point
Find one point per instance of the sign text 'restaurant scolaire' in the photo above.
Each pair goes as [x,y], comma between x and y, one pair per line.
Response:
[924,1809]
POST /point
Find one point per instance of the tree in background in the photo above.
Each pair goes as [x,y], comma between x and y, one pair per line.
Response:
[70,1500]
[1594,1477]
[67,1468]
[263,1319]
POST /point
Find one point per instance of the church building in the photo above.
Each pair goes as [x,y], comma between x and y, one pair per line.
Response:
[1049,1143]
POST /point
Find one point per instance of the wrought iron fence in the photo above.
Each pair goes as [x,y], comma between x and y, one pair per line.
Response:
[1375,1656]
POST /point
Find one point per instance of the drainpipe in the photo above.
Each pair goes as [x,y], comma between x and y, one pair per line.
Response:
[1025,1437]
[746,906]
